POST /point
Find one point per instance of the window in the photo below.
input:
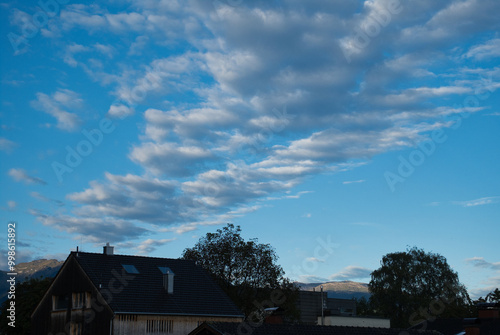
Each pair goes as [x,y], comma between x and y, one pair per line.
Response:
[81,300]
[159,326]
[60,302]
[130,268]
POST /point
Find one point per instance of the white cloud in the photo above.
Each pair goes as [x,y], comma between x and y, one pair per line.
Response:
[489,49]
[22,175]
[55,104]
[138,46]
[94,229]
[71,50]
[315,260]
[478,202]
[351,272]
[169,158]
[311,279]
[7,145]
[120,111]
[480,262]
[43,198]
[150,245]
[210,108]
[353,181]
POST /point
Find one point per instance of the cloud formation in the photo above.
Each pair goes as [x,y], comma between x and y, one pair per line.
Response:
[351,272]
[259,96]
[478,202]
[480,262]
[7,145]
[22,175]
[56,104]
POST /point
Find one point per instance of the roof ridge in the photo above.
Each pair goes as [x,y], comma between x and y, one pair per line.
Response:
[138,256]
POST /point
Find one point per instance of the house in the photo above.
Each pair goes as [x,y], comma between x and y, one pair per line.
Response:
[226,328]
[311,303]
[487,322]
[114,294]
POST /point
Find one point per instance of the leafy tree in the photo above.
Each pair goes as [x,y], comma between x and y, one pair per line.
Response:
[364,307]
[28,295]
[493,296]
[246,270]
[414,286]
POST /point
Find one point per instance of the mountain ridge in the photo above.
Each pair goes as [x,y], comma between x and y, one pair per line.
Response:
[345,289]
[40,268]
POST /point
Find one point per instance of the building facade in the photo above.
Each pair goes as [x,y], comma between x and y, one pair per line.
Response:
[112,294]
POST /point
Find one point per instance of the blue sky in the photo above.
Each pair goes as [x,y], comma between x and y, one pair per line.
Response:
[335,131]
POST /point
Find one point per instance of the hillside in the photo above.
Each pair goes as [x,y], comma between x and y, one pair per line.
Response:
[339,289]
[28,270]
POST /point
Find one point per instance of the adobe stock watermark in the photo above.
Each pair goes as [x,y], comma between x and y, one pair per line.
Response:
[258,316]
[370,29]
[324,249]
[434,310]
[407,165]
[46,11]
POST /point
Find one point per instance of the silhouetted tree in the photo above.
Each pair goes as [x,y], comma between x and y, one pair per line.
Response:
[493,296]
[246,270]
[28,295]
[414,286]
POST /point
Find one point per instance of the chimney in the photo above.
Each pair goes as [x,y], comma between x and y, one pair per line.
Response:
[487,313]
[488,310]
[107,249]
[168,280]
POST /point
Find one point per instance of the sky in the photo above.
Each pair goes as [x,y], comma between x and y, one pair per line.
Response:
[335,131]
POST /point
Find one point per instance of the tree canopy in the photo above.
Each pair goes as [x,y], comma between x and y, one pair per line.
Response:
[493,296]
[246,270]
[28,295]
[414,286]
[234,261]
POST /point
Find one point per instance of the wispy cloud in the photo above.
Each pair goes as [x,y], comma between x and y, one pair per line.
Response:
[351,272]
[22,175]
[56,104]
[478,202]
[7,145]
[43,198]
[315,260]
[480,262]
[354,182]
[238,120]
[309,279]
[151,245]
[486,50]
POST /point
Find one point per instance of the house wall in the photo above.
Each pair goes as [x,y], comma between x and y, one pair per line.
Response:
[160,324]
[309,305]
[355,321]
[93,318]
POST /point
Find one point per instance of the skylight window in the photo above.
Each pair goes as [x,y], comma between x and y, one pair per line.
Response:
[164,270]
[130,268]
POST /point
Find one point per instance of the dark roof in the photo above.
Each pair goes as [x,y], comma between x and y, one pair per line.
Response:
[195,293]
[486,326]
[450,326]
[231,328]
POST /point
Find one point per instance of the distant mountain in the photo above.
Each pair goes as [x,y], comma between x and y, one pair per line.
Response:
[339,289]
[25,271]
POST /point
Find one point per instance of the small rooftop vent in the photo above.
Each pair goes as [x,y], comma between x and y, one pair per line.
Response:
[107,249]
